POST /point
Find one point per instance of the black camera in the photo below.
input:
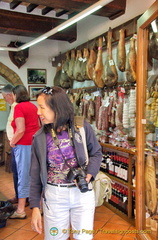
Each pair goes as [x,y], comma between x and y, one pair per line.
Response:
[79,175]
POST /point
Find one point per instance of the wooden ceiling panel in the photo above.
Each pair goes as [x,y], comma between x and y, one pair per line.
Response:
[27,25]
[23,24]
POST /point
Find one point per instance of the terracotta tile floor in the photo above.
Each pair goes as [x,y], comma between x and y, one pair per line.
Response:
[17,229]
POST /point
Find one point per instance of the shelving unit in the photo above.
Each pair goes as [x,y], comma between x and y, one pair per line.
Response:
[131,155]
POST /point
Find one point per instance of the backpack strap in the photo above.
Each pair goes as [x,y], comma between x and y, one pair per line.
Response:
[78,122]
[83,135]
[79,126]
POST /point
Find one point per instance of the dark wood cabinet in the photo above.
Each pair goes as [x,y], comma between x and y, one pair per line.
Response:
[2,149]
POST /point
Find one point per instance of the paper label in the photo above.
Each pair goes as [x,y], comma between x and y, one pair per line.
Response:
[122,90]
[135,36]
[84,59]
[111,62]
[149,101]
[124,199]
[80,59]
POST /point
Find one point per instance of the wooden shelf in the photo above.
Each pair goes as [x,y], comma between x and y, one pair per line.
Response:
[107,145]
[131,156]
[117,179]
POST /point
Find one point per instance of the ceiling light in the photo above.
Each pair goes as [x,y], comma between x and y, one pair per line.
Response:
[69,22]
[37,40]
[9,49]
[76,19]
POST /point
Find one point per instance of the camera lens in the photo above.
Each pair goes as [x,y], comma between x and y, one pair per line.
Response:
[82,184]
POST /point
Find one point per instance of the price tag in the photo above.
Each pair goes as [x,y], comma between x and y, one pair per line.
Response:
[111,62]
[122,90]
[135,36]
[80,59]
[124,199]
[96,93]
[84,59]
[149,101]
[114,109]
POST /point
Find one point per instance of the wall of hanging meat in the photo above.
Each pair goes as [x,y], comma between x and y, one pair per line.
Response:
[109,104]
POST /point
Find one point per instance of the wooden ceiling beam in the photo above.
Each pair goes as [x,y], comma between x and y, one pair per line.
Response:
[63,4]
[77,6]
[58,14]
[15,4]
[46,10]
[31,7]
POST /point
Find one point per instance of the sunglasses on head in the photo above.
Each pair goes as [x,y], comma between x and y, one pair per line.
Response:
[47,90]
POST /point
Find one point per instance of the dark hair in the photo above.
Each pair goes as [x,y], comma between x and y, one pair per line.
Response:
[57,99]
[7,89]
[21,93]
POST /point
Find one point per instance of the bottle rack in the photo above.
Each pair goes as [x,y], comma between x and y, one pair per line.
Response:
[119,165]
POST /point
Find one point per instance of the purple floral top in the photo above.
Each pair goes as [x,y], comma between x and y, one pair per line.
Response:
[57,169]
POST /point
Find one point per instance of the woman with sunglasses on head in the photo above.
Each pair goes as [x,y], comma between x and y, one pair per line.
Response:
[58,170]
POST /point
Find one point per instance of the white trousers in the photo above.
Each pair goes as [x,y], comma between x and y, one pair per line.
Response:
[68,211]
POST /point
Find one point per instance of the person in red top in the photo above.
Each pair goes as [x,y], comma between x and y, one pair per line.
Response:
[25,125]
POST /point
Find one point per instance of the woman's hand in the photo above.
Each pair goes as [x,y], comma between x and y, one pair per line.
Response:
[12,144]
[36,221]
[20,130]
[88,177]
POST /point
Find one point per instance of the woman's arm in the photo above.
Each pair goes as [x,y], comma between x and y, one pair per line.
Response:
[20,129]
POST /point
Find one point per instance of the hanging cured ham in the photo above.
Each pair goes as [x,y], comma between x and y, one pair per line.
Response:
[66,62]
[152,50]
[150,184]
[61,79]
[153,46]
[91,63]
[121,51]
[57,75]
[98,70]
[77,67]
[65,81]
[131,62]
[84,64]
[110,71]
[71,65]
